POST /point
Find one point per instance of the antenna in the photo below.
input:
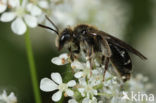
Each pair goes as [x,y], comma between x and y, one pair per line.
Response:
[52,23]
[46,27]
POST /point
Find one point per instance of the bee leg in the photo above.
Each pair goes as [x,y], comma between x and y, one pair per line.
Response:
[103,59]
[106,67]
[90,50]
[77,51]
[71,55]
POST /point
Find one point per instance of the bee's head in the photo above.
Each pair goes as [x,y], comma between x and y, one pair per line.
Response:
[64,37]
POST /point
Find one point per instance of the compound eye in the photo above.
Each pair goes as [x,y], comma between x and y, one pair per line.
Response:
[65,37]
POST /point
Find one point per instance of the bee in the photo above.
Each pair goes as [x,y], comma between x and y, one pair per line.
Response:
[97,44]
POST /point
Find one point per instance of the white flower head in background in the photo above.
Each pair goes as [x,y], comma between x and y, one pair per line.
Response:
[11,98]
[108,15]
[22,14]
[56,83]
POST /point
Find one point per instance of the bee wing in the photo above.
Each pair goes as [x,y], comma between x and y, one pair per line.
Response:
[120,43]
[121,60]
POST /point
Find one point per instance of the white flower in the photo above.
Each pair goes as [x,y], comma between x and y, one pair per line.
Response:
[25,14]
[21,17]
[3,5]
[87,88]
[56,83]
[84,69]
[11,98]
[61,60]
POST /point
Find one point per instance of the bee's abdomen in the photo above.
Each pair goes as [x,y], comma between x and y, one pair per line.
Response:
[122,61]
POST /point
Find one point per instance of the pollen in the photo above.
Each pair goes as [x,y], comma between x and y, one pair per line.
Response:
[63,61]
[65,95]
[73,67]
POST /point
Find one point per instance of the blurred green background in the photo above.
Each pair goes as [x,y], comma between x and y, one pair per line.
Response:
[140,32]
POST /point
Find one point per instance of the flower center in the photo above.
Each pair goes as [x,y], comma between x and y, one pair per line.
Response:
[86,72]
[63,87]
[89,88]
[20,11]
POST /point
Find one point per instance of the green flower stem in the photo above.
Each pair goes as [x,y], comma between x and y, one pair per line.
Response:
[32,68]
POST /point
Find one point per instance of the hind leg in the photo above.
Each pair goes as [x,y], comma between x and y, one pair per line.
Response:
[106,62]
[89,58]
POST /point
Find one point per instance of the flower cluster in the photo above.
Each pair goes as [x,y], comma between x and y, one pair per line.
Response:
[22,13]
[88,85]
[11,98]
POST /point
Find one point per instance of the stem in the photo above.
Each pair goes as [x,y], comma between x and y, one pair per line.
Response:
[32,68]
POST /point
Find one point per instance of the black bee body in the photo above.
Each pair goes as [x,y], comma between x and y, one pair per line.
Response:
[97,44]
[122,61]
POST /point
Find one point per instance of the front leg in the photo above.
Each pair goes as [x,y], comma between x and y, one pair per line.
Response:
[71,55]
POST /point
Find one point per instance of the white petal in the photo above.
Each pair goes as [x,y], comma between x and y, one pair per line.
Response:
[58,61]
[72,101]
[82,81]
[34,10]
[14,3]
[18,26]
[12,97]
[47,85]
[24,3]
[56,77]
[81,90]
[4,94]
[95,92]
[3,6]
[69,92]
[78,74]
[77,65]
[107,75]
[29,7]
[86,100]
[57,96]
[43,4]
[7,16]
[71,83]
[30,20]
[64,55]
